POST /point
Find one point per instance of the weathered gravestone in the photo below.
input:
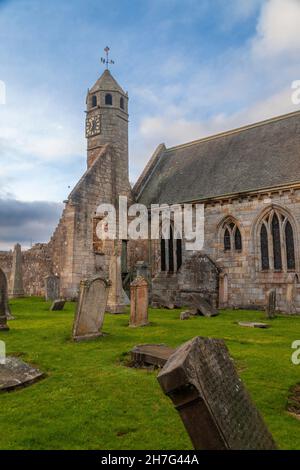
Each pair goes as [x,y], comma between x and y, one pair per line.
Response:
[57,305]
[145,355]
[271,304]
[185,315]
[15,373]
[252,324]
[116,298]
[139,302]
[90,308]
[4,307]
[218,414]
[16,280]
[52,287]
[203,307]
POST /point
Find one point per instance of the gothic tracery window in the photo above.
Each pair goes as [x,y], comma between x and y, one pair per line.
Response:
[277,247]
[232,236]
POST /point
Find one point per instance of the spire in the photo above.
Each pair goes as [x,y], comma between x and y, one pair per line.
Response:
[106,83]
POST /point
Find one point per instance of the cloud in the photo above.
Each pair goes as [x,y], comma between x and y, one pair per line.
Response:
[278,29]
[27,222]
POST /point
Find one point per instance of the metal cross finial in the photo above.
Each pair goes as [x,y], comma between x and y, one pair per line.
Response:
[106,60]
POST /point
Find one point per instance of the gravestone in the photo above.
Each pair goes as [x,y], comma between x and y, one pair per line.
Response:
[185,315]
[250,324]
[16,280]
[203,307]
[4,307]
[57,305]
[218,414]
[145,355]
[139,302]
[90,309]
[116,298]
[52,287]
[15,373]
[271,304]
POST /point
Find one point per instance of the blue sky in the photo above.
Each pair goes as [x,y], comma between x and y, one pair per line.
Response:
[191,68]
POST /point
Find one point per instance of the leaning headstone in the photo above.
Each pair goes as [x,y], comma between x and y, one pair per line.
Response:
[90,308]
[145,355]
[5,313]
[16,281]
[52,287]
[15,373]
[57,305]
[203,307]
[218,414]
[271,304]
[139,302]
[116,299]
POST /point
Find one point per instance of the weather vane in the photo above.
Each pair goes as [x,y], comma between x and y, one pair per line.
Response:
[106,60]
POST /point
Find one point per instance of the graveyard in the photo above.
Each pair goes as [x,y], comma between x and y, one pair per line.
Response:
[90,397]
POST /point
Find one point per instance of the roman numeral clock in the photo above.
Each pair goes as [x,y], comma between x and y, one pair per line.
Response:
[93,125]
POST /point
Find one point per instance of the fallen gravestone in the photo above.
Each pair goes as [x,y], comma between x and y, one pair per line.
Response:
[57,305]
[203,307]
[139,302]
[52,287]
[15,373]
[250,324]
[218,414]
[90,309]
[146,355]
[271,304]
[4,308]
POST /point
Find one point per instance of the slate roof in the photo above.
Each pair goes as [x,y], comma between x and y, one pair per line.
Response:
[262,155]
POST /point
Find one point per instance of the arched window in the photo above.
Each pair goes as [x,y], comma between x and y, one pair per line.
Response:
[94,101]
[108,99]
[122,106]
[232,236]
[171,253]
[277,247]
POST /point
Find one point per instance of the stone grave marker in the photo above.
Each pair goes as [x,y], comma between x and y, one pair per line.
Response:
[16,280]
[203,307]
[15,373]
[252,324]
[57,305]
[145,355]
[185,315]
[271,304]
[116,298]
[217,412]
[4,307]
[52,287]
[90,309]
[139,302]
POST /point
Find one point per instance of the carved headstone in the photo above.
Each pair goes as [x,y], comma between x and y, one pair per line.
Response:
[90,308]
[16,281]
[139,302]
[52,287]
[271,304]
[5,313]
[218,414]
[15,373]
[57,305]
[145,355]
[116,299]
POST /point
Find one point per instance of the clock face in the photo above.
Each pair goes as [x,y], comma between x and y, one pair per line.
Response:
[93,126]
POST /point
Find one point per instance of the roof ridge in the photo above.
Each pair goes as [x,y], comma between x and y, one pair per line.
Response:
[235,131]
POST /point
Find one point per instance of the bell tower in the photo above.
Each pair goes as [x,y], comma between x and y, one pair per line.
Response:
[107,121]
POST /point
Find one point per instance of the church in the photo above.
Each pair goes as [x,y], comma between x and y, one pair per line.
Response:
[248,180]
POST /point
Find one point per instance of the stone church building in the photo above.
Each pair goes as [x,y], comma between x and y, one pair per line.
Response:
[248,180]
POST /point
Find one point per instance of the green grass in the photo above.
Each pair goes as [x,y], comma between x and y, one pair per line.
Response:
[90,400]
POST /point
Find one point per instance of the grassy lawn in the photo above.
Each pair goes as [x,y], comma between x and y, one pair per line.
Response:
[90,400]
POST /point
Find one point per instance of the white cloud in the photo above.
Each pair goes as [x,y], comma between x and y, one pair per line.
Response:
[278,29]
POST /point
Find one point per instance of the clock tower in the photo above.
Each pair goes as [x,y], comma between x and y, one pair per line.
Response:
[107,121]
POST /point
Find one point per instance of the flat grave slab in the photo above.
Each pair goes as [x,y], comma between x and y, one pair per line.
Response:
[156,355]
[250,324]
[15,373]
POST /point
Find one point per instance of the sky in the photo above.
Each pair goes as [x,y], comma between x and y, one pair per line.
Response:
[192,68]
